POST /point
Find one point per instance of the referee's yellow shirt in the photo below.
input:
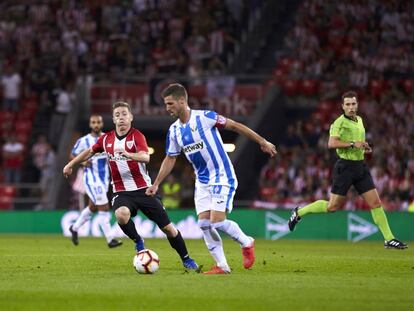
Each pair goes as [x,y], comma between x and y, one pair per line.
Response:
[349,130]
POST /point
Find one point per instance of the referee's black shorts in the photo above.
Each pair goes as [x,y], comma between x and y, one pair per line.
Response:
[138,200]
[349,173]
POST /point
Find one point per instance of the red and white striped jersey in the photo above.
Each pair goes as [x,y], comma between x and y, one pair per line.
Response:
[127,175]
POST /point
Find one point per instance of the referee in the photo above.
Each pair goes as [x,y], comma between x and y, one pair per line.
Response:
[347,136]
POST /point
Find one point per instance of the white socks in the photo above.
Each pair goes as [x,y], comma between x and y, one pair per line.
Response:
[214,243]
[104,222]
[84,216]
[104,218]
[234,231]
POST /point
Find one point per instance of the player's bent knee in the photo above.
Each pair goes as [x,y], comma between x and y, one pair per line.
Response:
[170,231]
[204,224]
[375,204]
[122,215]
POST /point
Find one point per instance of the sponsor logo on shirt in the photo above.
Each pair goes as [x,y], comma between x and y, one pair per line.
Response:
[194,147]
[117,157]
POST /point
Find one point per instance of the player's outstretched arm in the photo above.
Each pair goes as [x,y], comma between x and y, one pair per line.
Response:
[242,129]
[81,157]
[166,167]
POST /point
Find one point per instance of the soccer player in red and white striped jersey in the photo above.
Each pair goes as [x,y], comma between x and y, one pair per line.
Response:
[127,175]
[127,152]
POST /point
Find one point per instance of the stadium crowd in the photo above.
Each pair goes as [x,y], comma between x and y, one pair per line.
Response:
[302,172]
[352,43]
[365,46]
[45,46]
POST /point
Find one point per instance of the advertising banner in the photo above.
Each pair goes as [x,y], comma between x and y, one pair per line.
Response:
[270,225]
[221,94]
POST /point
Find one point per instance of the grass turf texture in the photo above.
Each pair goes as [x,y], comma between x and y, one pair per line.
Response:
[49,273]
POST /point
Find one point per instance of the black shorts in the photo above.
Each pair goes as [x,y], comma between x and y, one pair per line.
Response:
[348,173]
[138,200]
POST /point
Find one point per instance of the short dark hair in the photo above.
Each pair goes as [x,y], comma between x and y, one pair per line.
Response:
[176,90]
[350,94]
[121,104]
[95,115]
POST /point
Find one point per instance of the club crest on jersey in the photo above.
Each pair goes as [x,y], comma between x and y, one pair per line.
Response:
[108,145]
[193,127]
[129,144]
[194,147]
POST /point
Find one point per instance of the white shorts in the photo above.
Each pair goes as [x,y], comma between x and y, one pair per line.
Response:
[213,197]
[96,191]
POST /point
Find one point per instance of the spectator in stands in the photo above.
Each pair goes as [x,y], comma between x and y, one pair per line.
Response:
[171,192]
[12,84]
[39,154]
[187,187]
[47,174]
[292,137]
[12,160]
[64,100]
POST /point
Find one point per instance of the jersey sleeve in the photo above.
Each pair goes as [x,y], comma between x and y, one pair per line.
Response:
[212,118]
[99,147]
[335,128]
[172,147]
[140,142]
[78,147]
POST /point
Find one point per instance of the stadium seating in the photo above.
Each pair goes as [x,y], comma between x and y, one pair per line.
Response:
[7,194]
[321,62]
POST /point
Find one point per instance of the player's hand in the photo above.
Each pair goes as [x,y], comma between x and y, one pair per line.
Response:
[67,170]
[152,190]
[360,144]
[125,154]
[268,147]
[367,149]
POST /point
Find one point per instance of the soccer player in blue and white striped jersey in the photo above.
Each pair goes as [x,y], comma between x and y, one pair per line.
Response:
[196,134]
[96,180]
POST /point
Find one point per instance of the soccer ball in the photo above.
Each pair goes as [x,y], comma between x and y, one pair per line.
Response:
[146,262]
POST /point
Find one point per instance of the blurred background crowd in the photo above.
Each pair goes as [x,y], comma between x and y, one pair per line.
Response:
[47,48]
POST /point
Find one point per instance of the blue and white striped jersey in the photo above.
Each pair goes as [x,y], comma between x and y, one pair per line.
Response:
[201,142]
[99,170]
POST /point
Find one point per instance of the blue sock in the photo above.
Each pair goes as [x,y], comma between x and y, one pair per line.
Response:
[130,230]
[139,245]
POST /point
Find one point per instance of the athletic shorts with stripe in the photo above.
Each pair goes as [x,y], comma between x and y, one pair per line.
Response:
[96,191]
[213,197]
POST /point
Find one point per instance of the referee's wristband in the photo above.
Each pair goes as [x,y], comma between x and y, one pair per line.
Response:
[351,144]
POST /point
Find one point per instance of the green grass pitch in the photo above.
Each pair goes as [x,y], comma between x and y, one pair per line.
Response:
[49,273]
